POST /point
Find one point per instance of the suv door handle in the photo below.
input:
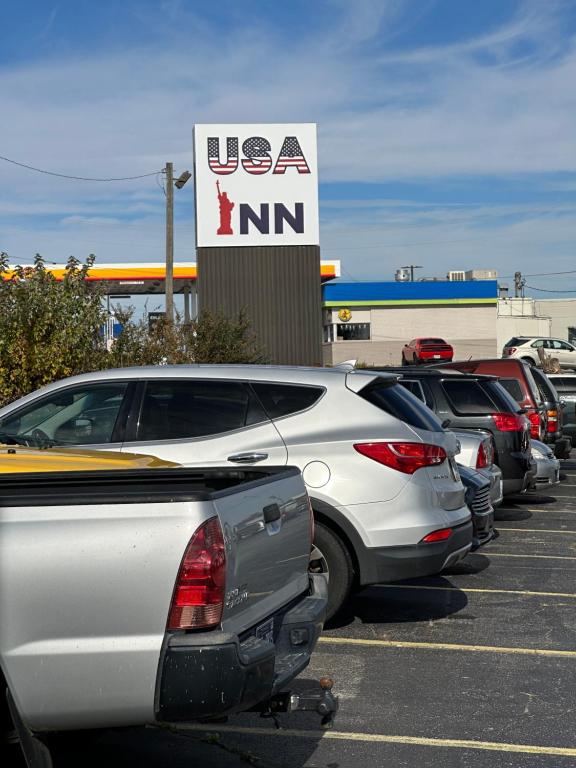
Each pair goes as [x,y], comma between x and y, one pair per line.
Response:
[247,458]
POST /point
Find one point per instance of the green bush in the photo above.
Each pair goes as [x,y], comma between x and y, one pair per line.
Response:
[51,329]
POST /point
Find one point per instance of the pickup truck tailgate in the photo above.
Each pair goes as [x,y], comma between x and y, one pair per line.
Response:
[267,549]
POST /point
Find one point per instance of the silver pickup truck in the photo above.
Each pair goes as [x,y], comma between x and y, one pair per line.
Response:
[147,596]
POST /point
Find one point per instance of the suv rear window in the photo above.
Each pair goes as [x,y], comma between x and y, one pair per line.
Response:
[468,398]
[516,341]
[284,399]
[398,402]
[512,386]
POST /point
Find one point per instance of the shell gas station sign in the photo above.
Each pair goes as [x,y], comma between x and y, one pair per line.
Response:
[256,185]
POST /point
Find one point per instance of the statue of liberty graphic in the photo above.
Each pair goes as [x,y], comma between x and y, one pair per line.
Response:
[226,206]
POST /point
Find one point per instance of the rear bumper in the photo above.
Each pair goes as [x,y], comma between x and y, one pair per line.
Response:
[520,484]
[214,674]
[548,472]
[408,562]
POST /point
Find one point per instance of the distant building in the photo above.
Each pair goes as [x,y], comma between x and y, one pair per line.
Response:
[371,321]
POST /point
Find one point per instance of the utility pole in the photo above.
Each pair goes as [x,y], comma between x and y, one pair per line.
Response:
[169,279]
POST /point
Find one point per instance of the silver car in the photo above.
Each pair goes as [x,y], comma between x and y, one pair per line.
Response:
[380,470]
[548,466]
[477,452]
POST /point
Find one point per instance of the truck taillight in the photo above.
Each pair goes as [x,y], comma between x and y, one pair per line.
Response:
[508,422]
[198,598]
[534,419]
[405,457]
[552,419]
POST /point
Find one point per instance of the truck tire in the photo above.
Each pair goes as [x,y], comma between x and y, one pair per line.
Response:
[331,556]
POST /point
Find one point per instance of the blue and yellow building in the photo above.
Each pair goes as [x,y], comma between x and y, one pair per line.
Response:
[371,321]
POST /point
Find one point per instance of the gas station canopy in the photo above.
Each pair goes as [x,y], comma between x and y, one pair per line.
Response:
[149,278]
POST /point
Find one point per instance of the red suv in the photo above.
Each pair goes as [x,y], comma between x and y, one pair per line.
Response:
[516,377]
[426,350]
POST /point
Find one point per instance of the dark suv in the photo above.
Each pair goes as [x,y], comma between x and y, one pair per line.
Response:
[473,401]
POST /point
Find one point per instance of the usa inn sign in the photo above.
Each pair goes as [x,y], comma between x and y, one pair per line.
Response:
[256,185]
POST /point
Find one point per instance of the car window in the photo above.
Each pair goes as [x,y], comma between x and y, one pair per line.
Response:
[502,399]
[415,387]
[83,415]
[565,346]
[545,386]
[566,383]
[398,402]
[285,399]
[516,341]
[468,397]
[187,408]
[538,343]
[512,386]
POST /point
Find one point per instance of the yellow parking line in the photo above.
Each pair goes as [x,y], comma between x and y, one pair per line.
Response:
[448,647]
[381,738]
[526,593]
[536,530]
[539,557]
[537,509]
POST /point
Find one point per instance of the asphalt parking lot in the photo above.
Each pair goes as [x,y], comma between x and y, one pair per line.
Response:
[472,668]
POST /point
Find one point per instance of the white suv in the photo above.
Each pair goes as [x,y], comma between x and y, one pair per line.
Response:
[526,348]
[380,471]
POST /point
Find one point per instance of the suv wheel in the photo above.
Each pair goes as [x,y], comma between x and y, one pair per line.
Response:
[330,556]
[528,360]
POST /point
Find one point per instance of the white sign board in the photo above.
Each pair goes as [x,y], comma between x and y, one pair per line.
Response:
[256,185]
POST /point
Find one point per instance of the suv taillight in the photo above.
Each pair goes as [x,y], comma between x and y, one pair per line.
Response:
[509,351]
[405,457]
[508,422]
[534,419]
[482,458]
[198,597]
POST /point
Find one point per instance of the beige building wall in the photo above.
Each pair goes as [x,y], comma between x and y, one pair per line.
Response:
[470,330]
[535,317]
[562,314]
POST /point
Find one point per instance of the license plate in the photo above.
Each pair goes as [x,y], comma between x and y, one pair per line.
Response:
[436,357]
[266,631]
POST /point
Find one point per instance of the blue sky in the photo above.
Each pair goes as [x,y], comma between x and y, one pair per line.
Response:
[446,127]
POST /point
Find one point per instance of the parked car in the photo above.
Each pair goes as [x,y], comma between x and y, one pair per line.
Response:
[478,499]
[526,348]
[547,465]
[554,410]
[565,385]
[477,452]
[516,377]
[135,596]
[379,468]
[475,401]
[426,350]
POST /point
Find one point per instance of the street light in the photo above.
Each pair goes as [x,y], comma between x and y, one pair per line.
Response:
[169,279]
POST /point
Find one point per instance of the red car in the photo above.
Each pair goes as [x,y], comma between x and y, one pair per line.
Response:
[426,350]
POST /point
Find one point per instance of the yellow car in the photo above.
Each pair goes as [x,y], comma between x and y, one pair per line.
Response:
[16,458]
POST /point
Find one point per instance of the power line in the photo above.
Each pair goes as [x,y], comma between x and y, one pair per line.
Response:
[77,178]
[547,290]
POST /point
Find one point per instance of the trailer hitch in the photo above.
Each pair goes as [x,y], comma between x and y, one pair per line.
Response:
[321,701]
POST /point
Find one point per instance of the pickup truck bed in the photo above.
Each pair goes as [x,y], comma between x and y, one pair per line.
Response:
[93,569]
